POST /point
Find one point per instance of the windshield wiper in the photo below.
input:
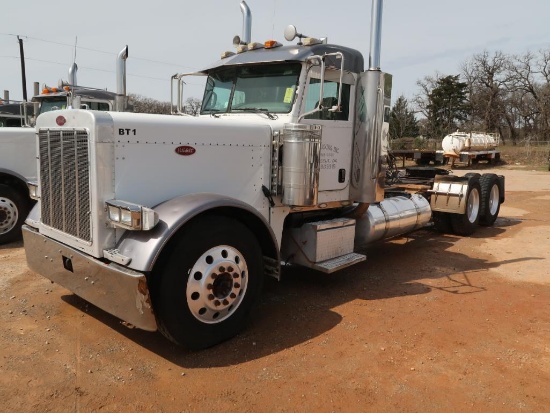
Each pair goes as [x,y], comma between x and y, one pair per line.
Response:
[213,112]
[259,110]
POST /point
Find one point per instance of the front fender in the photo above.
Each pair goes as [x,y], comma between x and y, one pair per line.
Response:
[144,247]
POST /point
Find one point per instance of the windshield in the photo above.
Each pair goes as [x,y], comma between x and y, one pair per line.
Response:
[48,105]
[237,89]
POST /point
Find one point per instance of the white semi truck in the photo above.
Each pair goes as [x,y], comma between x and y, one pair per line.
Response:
[11,114]
[18,144]
[172,222]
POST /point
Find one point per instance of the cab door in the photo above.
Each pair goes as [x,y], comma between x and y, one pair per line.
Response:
[337,130]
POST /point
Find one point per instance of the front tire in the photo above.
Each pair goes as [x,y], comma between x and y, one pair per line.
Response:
[466,224]
[209,284]
[13,212]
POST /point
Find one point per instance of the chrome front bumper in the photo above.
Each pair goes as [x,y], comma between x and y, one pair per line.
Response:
[111,287]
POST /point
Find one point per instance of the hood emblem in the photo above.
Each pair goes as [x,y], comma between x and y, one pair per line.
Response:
[185,150]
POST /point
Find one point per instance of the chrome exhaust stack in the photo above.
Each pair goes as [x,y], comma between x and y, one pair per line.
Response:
[367,174]
[375,35]
[378,218]
[247,23]
[121,98]
[72,74]
[73,100]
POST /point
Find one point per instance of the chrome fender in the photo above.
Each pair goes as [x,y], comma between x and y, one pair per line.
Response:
[145,247]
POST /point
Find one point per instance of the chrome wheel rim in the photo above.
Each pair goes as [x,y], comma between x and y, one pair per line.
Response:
[8,215]
[494,198]
[472,209]
[217,284]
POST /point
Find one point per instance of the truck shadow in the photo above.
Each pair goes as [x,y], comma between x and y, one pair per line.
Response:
[302,306]
[11,245]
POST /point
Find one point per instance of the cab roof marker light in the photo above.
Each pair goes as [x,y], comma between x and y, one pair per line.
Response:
[227,54]
[242,48]
[255,45]
[310,41]
[270,44]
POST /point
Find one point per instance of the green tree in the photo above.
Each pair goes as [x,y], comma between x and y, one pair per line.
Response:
[448,106]
[403,123]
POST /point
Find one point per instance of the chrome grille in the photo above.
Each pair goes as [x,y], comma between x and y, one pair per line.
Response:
[65,181]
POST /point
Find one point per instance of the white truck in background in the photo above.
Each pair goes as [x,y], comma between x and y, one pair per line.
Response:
[18,144]
[11,113]
[171,222]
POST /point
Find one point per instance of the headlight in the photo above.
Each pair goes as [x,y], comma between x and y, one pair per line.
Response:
[130,216]
[33,190]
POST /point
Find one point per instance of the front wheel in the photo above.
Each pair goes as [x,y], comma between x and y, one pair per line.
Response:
[13,212]
[466,224]
[209,284]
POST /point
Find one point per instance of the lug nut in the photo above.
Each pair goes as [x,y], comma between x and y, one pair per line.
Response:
[210,297]
[217,303]
[237,285]
[229,269]
[222,269]
[225,302]
[232,295]
[235,275]
[209,286]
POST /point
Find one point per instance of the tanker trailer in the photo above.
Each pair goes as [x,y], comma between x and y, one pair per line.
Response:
[471,147]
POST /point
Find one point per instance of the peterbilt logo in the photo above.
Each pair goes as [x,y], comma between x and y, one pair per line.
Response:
[185,150]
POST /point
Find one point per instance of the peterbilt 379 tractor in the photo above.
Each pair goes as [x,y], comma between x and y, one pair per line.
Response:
[172,222]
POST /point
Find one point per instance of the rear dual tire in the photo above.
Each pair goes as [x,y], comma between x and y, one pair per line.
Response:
[466,224]
[483,200]
[491,192]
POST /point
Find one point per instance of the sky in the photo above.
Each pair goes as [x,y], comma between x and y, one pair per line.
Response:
[419,38]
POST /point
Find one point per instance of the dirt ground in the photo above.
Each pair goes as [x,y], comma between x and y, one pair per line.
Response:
[429,323]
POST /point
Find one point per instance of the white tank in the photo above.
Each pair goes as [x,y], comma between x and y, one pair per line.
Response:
[458,142]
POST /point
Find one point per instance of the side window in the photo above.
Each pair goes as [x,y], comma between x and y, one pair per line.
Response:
[330,99]
[217,94]
[96,105]
[387,112]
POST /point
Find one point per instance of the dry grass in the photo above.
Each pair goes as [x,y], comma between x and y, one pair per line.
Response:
[525,154]
[534,156]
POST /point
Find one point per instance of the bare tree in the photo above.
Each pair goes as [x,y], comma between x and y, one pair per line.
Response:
[506,93]
[530,79]
[422,103]
[144,104]
[486,77]
[192,106]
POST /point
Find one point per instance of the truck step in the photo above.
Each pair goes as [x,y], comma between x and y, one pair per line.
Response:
[338,263]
